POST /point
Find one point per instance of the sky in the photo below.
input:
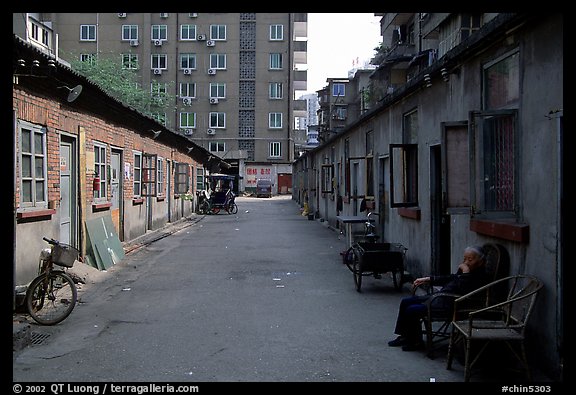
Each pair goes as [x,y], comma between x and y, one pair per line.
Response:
[336,42]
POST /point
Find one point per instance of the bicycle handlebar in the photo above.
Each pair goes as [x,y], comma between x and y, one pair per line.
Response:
[51,241]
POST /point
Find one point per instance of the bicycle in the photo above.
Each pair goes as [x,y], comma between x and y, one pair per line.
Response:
[52,295]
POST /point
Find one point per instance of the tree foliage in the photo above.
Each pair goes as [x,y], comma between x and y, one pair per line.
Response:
[122,84]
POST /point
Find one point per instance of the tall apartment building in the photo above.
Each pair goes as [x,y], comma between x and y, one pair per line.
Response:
[233,76]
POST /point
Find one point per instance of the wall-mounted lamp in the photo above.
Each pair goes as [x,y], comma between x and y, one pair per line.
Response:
[445,75]
[156,133]
[190,149]
[427,80]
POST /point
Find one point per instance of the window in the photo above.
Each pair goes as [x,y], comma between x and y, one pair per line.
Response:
[130,61]
[276,32]
[275,120]
[218,90]
[188,89]
[275,90]
[199,178]
[217,120]
[149,174]
[159,61]
[275,61]
[181,176]
[403,175]
[89,58]
[87,32]
[338,90]
[33,172]
[410,127]
[347,167]
[187,32]
[217,146]
[501,82]
[218,61]
[340,113]
[158,92]
[326,178]
[188,61]
[159,117]
[456,158]
[494,163]
[160,176]
[160,32]
[275,149]
[137,183]
[100,170]
[188,120]
[129,32]
[218,32]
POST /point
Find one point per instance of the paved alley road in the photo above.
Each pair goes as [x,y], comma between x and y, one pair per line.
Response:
[259,296]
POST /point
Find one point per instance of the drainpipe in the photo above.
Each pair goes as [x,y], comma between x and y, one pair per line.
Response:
[290,71]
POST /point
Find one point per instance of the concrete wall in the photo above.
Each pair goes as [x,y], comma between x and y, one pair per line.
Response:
[540,47]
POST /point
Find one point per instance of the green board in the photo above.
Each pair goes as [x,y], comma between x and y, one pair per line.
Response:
[106,246]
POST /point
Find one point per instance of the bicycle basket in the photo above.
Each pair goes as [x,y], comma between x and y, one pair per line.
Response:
[64,255]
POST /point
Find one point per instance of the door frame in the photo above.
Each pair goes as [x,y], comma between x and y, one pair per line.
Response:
[71,141]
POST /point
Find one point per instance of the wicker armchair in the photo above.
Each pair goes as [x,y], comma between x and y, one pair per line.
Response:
[500,321]
[436,323]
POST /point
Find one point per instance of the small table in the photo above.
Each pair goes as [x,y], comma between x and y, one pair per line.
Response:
[348,220]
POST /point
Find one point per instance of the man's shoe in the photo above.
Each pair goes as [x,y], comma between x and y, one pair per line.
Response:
[413,346]
[399,341]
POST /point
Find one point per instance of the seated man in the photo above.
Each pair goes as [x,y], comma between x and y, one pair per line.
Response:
[469,276]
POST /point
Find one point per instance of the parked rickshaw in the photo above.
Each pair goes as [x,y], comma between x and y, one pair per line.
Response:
[219,196]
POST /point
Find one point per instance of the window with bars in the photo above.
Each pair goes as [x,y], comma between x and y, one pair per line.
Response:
[494,163]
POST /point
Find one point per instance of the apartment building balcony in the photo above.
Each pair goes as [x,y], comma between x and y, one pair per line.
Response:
[300,80]
[300,108]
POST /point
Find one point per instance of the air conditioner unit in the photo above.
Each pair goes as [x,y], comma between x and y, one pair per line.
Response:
[210,43]
[157,71]
[187,71]
[188,132]
[211,71]
[201,37]
[133,43]
[211,131]
[213,100]
[187,101]
[193,14]
[163,15]
[121,15]
[158,43]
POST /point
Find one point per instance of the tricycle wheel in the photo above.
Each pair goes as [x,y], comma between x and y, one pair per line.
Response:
[397,278]
[357,271]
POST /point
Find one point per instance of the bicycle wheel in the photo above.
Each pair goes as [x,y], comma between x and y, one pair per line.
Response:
[51,297]
[397,278]
[357,269]
[232,209]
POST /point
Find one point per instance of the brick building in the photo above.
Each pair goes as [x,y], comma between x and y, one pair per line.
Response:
[81,156]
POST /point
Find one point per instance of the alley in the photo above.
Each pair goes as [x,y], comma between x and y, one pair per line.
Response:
[259,296]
